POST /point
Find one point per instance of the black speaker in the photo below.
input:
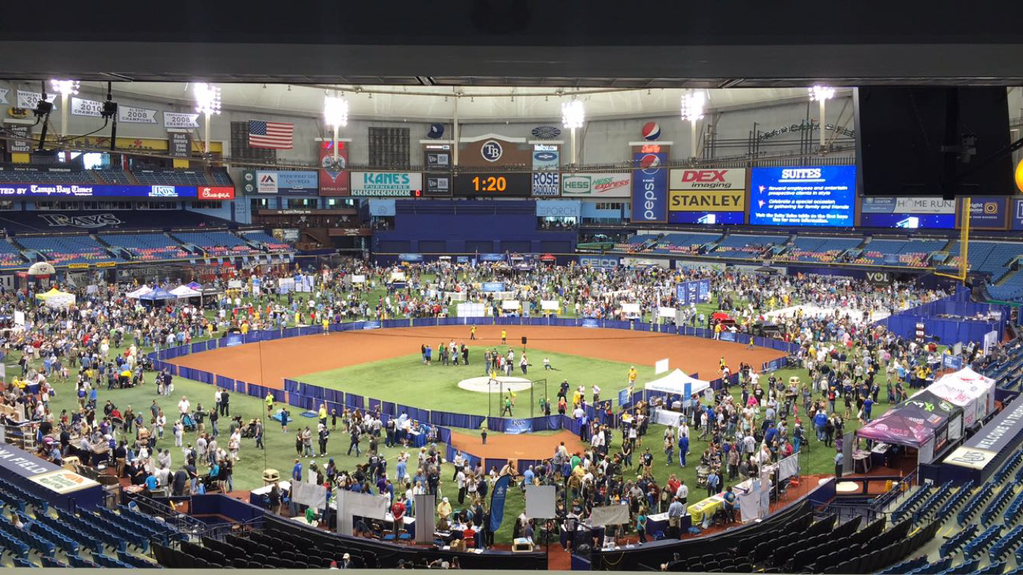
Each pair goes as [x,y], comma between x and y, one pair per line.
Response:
[523,340]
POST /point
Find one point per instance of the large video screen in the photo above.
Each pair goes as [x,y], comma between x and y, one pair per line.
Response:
[708,218]
[821,196]
[907,212]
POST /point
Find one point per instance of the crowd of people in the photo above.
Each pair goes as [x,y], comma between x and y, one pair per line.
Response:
[99,344]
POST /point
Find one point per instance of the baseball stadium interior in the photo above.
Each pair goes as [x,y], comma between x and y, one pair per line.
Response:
[515,286]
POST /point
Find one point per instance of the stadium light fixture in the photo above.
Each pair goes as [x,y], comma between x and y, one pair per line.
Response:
[692,109]
[573,114]
[207,103]
[65,88]
[821,95]
[335,111]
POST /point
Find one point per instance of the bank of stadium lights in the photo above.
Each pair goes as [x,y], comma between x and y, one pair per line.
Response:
[65,88]
[207,103]
[821,95]
[335,112]
[692,110]
[573,114]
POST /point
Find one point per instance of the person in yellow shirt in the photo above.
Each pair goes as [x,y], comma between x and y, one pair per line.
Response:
[245,327]
[504,337]
[322,415]
[633,374]
[577,397]
[269,402]
[472,333]
[443,512]
[326,326]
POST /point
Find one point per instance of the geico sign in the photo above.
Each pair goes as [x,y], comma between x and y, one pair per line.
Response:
[596,262]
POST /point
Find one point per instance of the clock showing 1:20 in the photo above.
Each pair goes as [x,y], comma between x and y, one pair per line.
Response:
[506,184]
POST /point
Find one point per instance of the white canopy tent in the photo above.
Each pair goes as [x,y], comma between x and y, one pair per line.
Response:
[185,292]
[675,383]
[139,292]
[968,389]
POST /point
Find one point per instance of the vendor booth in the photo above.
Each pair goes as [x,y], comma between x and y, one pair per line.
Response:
[969,390]
[185,292]
[56,299]
[157,296]
[136,294]
[676,383]
[921,423]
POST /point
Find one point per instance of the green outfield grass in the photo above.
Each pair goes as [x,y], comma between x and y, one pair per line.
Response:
[407,381]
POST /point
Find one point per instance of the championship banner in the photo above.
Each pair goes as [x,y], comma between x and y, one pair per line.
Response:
[334,178]
[178,120]
[497,498]
[83,107]
[29,100]
[130,115]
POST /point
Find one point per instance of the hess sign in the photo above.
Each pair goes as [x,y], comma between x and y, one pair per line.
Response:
[518,184]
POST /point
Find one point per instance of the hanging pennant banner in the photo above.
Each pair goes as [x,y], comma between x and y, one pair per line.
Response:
[3,95]
[28,100]
[83,107]
[179,120]
[130,115]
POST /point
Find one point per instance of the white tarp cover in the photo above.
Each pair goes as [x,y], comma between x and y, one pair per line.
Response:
[471,310]
[185,292]
[631,309]
[358,279]
[139,292]
[666,312]
[675,383]
[309,494]
[510,304]
[609,515]
[550,305]
[968,389]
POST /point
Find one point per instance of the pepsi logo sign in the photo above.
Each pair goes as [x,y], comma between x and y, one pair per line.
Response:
[651,131]
[491,151]
[650,163]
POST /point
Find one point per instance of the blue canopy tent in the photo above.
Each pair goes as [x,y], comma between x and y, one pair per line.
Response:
[157,295]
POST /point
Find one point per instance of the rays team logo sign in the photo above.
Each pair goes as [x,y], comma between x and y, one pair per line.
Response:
[491,151]
[651,131]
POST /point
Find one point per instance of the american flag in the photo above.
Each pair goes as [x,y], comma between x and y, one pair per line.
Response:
[277,135]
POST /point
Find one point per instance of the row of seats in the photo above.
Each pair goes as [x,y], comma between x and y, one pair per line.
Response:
[911,503]
[981,497]
[147,247]
[1007,545]
[955,502]
[883,550]
[63,250]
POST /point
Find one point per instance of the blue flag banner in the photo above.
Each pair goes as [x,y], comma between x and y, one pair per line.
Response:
[234,339]
[952,362]
[497,503]
[623,397]
[687,391]
[517,426]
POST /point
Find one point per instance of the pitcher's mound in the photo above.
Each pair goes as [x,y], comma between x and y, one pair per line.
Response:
[484,384]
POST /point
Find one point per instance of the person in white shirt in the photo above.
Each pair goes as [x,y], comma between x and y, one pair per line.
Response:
[184,405]
[682,493]
[596,394]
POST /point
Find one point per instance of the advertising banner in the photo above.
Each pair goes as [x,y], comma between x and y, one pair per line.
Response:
[214,193]
[909,213]
[986,213]
[20,139]
[707,196]
[546,184]
[179,144]
[281,182]
[497,498]
[822,196]
[649,187]
[602,262]
[558,208]
[386,184]
[494,150]
[97,191]
[1017,214]
[334,178]
[546,157]
[597,185]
